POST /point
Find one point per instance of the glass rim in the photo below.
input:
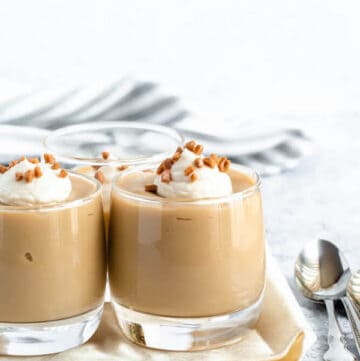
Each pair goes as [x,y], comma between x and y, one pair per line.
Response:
[197,202]
[58,205]
[123,124]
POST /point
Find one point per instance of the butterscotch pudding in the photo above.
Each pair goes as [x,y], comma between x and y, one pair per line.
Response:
[104,174]
[187,242]
[52,259]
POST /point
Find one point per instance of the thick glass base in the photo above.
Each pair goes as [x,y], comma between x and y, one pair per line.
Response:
[40,338]
[185,334]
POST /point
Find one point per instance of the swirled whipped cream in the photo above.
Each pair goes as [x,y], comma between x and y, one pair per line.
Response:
[190,175]
[29,181]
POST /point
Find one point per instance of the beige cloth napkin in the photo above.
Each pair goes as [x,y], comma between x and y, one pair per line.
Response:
[282,333]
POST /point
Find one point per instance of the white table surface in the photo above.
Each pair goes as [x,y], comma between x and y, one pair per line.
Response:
[229,58]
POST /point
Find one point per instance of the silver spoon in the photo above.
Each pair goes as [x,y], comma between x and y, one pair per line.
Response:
[352,305]
[353,289]
[322,274]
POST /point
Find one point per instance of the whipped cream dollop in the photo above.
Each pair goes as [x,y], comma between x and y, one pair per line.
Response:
[190,178]
[22,184]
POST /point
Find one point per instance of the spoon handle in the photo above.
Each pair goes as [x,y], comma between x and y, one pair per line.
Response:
[354,320]
[337,347]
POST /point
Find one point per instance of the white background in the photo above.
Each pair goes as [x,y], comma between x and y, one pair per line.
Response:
[230,57]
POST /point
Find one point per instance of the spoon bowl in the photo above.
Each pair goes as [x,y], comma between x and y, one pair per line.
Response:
[321,271]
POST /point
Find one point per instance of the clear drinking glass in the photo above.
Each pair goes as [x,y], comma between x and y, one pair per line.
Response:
[52,272]
[186,275]
[129,143]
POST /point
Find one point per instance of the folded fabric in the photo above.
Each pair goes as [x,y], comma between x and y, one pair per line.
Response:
[268,146]
[282,334]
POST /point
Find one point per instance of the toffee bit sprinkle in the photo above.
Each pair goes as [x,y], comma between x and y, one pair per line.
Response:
[37,172]
[34,160]
[63,173]
[199,163]
[99,175]
[29,175]
[3,169]
[152,188]
[13,163]
[224,164]
[56,166]
[19,176]
[22,158]
[194,177]
[168,163]
[176,156]
[160,168]
[198,149]
[227,164]
[190,145]
[214,157]
[189,170]
[179,150]
[122,167]
[166,176]
[49,158]
[96,167]
[209,162]
[105,155]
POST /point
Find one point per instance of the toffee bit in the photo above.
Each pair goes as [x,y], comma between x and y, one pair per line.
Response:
[160,168]
[168,163]
[99,175]
[96,167]
[224,164]
[13,163]
[189,170]
[194,177]
[34,160]
[166,176]
[199,163]
[122,167]
[105,155]
[198,149]
[29,175]
[221,163]
[214,157]
[63,173]
[56,166]
[176,156]
[179,150]
[22,158]
[37,172]
[190,145]
[3,169]
[19,176]
[209,162]
[227,164]
[152,188]
[49,158]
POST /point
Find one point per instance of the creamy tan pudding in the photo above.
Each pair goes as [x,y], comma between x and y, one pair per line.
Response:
[104,174]
[53,257]
[184,252]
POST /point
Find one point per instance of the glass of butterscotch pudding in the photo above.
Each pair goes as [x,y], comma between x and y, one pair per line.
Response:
[52,258]
[187,251]
[103,150]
